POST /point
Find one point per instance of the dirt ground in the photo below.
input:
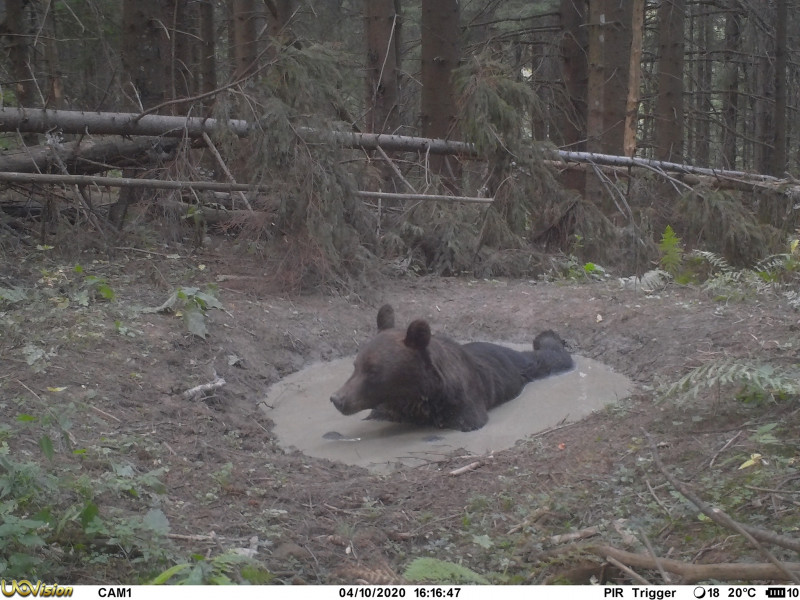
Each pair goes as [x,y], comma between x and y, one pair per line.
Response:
[119,372]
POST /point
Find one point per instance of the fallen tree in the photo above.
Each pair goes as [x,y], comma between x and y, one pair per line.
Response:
[88,155]
[33,120]
[30,120]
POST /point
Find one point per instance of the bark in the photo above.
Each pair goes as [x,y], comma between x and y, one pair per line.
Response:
[702,94]
[144,53]
[208,48]
[570,125]
[669,103]
[381,21]
[778,163]
[609,60]
[212,186]
[182,39]
[441,53]
[55,85]
[19,51]
[281,13]
[87,155]
[128,124]
[245,50]
[730,96]
[635,76]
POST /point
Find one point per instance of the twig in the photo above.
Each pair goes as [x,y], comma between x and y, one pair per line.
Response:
[657,499]
[471,466]
[104,413]
[537,514]
[206,387]
[652,552]
[631,573]
[218,157]
[575,535]
[394,168]
[721,450]
[465,469]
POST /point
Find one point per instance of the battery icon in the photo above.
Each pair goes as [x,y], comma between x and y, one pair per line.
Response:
[776,592]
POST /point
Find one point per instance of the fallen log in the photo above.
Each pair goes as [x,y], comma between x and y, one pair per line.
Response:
[45,178]
[86,156]
[32,120]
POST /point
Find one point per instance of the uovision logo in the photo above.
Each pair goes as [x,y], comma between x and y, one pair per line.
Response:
[24,588]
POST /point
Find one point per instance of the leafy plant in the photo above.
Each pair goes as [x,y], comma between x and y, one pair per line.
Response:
[671,250]
[225,569]
[191,303]
[441,571]
[756,381]
[44,509]
[94,288]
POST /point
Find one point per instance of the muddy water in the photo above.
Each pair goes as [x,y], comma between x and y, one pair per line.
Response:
[306,420]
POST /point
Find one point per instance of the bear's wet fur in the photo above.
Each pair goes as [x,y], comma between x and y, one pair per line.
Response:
[415,377]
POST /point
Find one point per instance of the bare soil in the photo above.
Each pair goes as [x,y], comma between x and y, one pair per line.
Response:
[119,374]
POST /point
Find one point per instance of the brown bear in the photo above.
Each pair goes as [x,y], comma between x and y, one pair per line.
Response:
[412,376]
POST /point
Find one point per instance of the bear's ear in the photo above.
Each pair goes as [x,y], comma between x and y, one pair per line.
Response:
[418,335]
[385,317]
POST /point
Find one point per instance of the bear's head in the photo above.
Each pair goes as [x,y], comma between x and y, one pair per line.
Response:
[390,369]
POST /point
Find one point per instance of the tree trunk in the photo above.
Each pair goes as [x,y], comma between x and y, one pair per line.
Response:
[778,163]
[144,54]
[730,96]
[208,47]
[245,50]
[86,156]
[182,39]
[281,12]
[441,53]
[570,126]
[609,60]
[635,78]
[669,103]
[702,94]
[383,61]
[55,85]
[20,51]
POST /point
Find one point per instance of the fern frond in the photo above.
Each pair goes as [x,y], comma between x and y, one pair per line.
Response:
[759,379]
[715,260]
[650,282]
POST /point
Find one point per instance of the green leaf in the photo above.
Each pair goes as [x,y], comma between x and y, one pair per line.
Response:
[156,521]
[105,291]
[88,514]
[82,297]
[46,444]
[195,322]
[162,578]
[25,418]
[208,300]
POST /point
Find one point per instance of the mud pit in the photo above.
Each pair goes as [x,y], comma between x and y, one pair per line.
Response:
[305,419]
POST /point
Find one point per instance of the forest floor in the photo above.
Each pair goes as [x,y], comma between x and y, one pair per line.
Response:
[101,382]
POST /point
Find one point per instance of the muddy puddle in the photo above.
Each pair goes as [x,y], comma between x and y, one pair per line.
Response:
[305,419]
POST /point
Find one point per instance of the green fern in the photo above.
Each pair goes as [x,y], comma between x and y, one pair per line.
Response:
[755,381]
[671,251]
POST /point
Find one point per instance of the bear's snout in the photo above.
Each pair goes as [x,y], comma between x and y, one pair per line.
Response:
[341,404]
